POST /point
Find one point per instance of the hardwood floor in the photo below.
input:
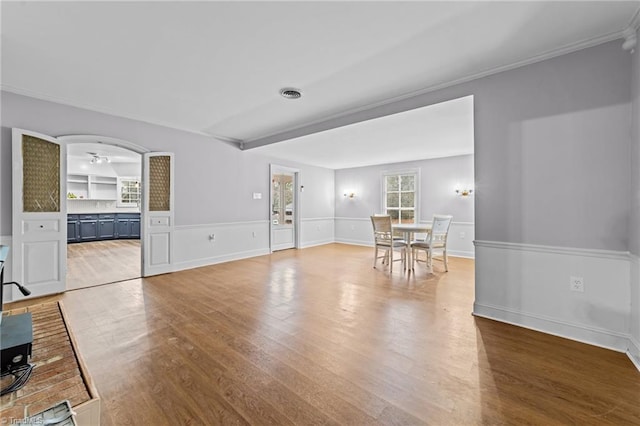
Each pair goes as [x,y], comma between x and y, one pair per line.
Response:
[100,262]
[317,336]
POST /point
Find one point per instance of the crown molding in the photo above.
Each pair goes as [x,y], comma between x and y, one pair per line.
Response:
[634,23]
[630,33]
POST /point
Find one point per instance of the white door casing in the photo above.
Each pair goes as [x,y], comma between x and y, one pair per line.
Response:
[158,213]
[284,235]
[39,214]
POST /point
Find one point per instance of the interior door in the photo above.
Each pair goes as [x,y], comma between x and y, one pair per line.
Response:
[39,240]
[283,208]
[157,213]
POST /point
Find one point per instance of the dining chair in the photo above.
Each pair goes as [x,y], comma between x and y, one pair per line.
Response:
[435,240]
[383,239]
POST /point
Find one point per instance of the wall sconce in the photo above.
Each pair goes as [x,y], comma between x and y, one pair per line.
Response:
[350,194]
[464,192]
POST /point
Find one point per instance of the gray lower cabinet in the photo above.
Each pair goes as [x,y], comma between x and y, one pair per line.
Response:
[88,227]
[106,226]
[135,228]
[124,228]
[73,228]
[128,225]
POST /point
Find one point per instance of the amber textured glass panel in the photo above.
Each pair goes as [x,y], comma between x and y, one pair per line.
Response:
[159,183]
[40,175]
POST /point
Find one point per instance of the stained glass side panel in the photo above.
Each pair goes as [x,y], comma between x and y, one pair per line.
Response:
[40,175]
[160,183]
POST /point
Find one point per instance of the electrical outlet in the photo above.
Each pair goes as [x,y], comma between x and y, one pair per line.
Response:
[254,234]
[212,237]
[353,227]
[317,227]
[576,284]
[462,235]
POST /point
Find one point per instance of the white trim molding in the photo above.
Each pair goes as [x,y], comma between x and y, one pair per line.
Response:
[633,350]
[529,285]
[606,254]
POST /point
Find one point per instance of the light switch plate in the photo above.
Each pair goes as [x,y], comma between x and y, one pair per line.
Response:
[257,195]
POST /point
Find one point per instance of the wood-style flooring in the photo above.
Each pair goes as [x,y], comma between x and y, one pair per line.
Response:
[317,336]
[100,262]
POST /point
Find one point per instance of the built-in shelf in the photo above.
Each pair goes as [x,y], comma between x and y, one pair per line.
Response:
[92,187]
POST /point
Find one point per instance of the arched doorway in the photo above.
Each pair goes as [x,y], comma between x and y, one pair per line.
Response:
[104,177]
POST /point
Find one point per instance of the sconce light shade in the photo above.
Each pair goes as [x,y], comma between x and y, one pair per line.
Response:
[464,192]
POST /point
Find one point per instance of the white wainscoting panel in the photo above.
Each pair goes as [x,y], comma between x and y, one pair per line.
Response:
[360,232]
[194,246]
[5,240]
[354,230]
[634,339]
[528,285]
[460,239]
[316,231]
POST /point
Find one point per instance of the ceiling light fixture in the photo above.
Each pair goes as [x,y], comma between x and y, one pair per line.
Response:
[98,159]
[290,93]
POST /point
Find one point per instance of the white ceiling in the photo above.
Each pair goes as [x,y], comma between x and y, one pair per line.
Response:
[216,67]
[82,151]
[434,131]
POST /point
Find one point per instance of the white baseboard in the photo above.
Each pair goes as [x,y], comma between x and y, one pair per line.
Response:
[528,285]
[354,242]
[459,253]
[308,244]
[590,335]
[633,352]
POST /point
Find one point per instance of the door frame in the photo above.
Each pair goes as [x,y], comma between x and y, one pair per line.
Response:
[275,169]
[106,140]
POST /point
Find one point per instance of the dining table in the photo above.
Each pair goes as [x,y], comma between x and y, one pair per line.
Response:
[409,230]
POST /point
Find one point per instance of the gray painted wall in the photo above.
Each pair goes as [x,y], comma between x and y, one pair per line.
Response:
[214,181]
[634,224]
[551,148]
[438,178]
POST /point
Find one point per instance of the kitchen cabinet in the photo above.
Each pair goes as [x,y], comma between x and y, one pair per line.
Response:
[135,227]
[104,226]
[128,225]
[73,228]
[88,227]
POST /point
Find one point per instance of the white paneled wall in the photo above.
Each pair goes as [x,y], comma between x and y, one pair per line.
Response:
[634,339]
[530,288]
[316,231]
[200,245]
